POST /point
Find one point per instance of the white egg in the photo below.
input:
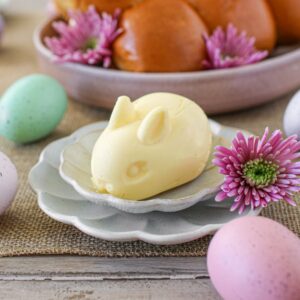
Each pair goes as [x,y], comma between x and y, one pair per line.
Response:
[291,119]
[8,182]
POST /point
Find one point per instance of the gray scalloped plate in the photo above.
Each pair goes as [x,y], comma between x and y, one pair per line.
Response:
[75,170]
[62,203]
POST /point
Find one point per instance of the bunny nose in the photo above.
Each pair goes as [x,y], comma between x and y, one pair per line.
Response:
[109,187]
[103,187]
[100,186]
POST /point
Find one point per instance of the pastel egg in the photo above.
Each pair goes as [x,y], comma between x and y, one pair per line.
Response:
[255,258]
[291,119]
[8,182]
[1,28]
[32,108]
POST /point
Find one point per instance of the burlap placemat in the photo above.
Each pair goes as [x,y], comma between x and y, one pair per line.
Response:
[26,230]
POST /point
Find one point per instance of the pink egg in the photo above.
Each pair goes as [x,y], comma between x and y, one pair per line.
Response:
[2,26]
[8,182]
[255,258]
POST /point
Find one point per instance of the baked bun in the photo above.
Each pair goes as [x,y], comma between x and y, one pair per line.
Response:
[160,36]
[64,5]
[101,5]
[253,16]
[287,16]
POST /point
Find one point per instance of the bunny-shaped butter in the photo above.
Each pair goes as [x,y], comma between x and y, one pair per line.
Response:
[151,145]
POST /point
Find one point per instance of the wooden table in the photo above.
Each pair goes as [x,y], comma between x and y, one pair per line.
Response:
[68,277]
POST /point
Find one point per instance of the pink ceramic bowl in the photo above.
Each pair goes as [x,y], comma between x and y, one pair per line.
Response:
[216,91]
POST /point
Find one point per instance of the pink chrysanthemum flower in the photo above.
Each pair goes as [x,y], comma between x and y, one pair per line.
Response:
[259,171]
[86,39]
[229,49]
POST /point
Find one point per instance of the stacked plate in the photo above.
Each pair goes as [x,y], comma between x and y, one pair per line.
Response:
[62,181]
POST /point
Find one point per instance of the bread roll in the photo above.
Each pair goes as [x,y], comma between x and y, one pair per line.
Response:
[64,5]
[253,16]
[101,5]
[160,36]
[287,16]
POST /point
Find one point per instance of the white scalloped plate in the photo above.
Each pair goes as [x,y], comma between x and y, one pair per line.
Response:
[62,203]
[75,170]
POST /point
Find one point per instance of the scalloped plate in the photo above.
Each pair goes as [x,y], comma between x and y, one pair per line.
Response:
[62,203]
[75,170]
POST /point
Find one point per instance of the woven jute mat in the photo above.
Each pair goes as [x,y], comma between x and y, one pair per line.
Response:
[26,230]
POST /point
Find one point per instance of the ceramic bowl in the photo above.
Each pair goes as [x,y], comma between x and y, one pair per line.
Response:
[75,170]
[216,91]
[62,203]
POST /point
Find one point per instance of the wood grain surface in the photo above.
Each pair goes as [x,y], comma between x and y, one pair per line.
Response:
[66,277]
[70,268]
[131,290]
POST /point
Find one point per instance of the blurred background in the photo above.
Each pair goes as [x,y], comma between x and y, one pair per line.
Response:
[25,5]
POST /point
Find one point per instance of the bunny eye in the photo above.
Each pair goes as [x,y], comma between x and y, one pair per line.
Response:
[137,169]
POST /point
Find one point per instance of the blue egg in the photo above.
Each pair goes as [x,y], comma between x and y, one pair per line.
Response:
[32,108]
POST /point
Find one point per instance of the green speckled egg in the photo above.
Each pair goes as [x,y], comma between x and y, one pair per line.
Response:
[32,108]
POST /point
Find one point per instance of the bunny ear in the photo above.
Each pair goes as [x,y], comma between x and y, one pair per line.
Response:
[154,127]
[122,114]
